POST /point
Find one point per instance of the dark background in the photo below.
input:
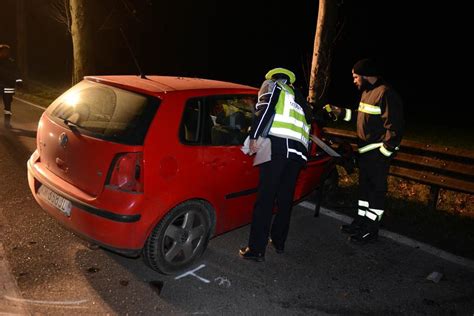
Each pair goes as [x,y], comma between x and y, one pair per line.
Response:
[421,46]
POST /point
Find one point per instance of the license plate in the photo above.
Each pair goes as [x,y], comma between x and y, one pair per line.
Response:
[55,200]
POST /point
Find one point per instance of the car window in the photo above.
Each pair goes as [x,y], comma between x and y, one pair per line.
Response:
[106,112]
[217,120]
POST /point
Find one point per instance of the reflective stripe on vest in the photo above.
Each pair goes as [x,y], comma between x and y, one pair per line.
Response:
[369,108]
[289,120]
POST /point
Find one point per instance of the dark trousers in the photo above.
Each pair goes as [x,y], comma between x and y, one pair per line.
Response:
[277,183]
[373,173]
[7,101]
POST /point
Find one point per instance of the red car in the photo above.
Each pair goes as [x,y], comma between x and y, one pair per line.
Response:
[152,165]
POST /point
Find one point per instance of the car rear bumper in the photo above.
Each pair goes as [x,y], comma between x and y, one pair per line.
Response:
[89,216]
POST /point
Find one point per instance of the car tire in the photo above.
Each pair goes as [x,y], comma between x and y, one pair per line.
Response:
[179,239]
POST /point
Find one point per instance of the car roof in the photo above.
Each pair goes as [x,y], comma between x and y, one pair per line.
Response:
[161,84]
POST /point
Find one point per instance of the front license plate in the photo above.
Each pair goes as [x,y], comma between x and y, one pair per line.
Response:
[55,200]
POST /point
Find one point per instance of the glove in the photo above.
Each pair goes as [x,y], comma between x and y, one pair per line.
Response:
[333,111]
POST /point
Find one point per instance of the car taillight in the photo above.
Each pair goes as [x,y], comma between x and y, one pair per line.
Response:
[127,172]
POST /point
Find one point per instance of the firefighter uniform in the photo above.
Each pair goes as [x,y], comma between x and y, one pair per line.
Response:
[379,129]
[282,115]
[8,78]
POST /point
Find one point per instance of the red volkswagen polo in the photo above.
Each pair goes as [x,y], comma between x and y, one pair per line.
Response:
[152,165]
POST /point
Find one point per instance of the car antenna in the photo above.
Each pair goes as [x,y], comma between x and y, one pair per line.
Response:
[142,75]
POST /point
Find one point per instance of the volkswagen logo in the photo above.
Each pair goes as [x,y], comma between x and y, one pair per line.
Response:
[63,140]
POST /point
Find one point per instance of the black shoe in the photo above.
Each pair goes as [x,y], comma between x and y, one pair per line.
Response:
[278,249]
[364,237]
[247,253]
[352,229]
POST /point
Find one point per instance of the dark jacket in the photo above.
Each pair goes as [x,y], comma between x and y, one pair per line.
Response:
[386,127]
[8,73]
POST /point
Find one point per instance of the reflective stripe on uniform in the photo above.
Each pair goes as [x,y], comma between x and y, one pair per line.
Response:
[369,147]
[363,205]
[8,90]
[299,153]
[378,212]
[348,115]
[369,108]
[385,151]
[371,215]
[289,120]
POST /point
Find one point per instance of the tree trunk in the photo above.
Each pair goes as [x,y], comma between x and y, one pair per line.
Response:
[324,38]
[82,30]
[21,39]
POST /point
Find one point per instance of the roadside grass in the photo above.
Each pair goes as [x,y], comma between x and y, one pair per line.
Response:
[42,94]
[449,227]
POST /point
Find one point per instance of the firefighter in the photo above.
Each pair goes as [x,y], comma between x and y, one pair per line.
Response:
[282,115]
[8,78]
[379,129]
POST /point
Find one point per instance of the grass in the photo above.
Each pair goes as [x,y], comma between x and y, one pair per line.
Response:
[39,93]
[449,227]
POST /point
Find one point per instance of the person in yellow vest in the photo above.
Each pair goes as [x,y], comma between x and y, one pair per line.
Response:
[380,125]
[282,115]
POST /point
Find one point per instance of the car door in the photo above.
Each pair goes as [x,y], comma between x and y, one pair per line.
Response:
[225,122]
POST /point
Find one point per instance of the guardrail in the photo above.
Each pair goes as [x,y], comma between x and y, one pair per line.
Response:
[436,166]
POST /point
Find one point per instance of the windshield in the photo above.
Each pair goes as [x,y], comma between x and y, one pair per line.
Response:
[105,112]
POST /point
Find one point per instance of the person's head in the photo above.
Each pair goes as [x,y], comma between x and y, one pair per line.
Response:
[281,73]
[4,51]
[365,73]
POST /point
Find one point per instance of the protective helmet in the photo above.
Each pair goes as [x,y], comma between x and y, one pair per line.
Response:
[283,71]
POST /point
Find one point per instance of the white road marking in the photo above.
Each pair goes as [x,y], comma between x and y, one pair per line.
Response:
[41,302]
[398,238]
[29,103]
[191,272]
[8,287]
[223,282]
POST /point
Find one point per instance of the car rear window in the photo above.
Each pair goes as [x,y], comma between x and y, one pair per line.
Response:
[105,112]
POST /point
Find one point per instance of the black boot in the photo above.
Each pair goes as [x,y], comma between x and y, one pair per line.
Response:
[368,233]
[354,227]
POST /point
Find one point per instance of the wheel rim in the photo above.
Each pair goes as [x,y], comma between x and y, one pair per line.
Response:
[184,237]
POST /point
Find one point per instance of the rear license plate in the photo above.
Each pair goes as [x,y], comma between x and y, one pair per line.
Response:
[55,200]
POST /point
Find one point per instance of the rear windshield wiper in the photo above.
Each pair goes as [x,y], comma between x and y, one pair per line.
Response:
[70,124]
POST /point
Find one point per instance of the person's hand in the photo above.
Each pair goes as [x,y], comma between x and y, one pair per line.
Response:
[332,108]
[253,146]
[333,111]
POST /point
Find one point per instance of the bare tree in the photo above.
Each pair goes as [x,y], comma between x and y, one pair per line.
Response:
[82,31]
[60,12]
[82,20]
[326,34]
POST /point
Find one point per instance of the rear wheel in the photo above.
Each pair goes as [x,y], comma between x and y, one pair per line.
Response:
[179,239]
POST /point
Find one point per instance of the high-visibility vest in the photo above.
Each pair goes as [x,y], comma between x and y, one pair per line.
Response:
[289,121]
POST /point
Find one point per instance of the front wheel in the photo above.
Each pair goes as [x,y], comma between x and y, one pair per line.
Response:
[179,239]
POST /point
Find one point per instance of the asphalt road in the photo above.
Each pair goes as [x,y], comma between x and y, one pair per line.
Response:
[47,270]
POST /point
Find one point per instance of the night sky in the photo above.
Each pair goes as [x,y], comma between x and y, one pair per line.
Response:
[419,44]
